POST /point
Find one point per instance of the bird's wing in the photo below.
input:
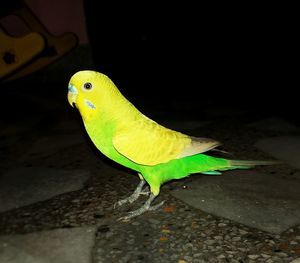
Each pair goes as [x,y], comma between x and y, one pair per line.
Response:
[149,143]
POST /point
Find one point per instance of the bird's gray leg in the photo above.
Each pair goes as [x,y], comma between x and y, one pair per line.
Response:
[143,209]
[137,192]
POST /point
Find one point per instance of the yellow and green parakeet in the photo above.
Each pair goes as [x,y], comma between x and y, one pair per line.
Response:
[125,135]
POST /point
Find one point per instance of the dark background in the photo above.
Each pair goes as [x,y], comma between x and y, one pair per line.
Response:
[197,54]
[182,56]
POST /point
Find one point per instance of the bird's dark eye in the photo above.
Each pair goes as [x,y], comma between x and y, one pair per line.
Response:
[87,85]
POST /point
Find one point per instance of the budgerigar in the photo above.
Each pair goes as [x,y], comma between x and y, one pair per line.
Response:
[125,135]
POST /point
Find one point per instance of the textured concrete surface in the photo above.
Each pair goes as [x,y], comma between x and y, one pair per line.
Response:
[59,245]
[285,148]
[275,124]
[255,199]
[53,144]
[26,185]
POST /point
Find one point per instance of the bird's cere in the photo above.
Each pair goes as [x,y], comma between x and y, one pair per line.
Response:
[72,89]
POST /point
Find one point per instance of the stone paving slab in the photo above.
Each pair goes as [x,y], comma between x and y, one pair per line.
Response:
[26,185]
[285,148]
[50,145]
[257,200]
[60,245]
[275,124]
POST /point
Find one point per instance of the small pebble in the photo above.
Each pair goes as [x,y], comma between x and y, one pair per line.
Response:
[253,256]
[282,254]
[243,232]
[236,239]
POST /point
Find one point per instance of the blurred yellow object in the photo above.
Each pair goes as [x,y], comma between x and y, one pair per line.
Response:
[53,47]
[17,51]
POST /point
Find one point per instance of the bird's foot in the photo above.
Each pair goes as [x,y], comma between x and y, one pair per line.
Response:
[138,191]
[130,199]
[143,209]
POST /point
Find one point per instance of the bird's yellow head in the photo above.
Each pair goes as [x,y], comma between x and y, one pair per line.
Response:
[90,92]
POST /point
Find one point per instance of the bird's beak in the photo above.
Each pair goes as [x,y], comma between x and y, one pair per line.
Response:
[72,95]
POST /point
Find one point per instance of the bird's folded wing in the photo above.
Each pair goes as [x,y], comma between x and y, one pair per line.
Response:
[149,143]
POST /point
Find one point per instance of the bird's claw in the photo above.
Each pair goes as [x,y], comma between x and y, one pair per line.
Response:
[154,207]
[123,219]
[145,193]
[139,211]
[120,203]
[130,199]
[137,192]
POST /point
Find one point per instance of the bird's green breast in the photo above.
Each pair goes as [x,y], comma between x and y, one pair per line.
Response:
[101,133]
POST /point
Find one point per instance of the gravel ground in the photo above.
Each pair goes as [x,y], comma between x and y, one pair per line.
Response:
[174,233]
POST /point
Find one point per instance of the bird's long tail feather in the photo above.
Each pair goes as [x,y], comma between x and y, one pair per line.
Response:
[246,164]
